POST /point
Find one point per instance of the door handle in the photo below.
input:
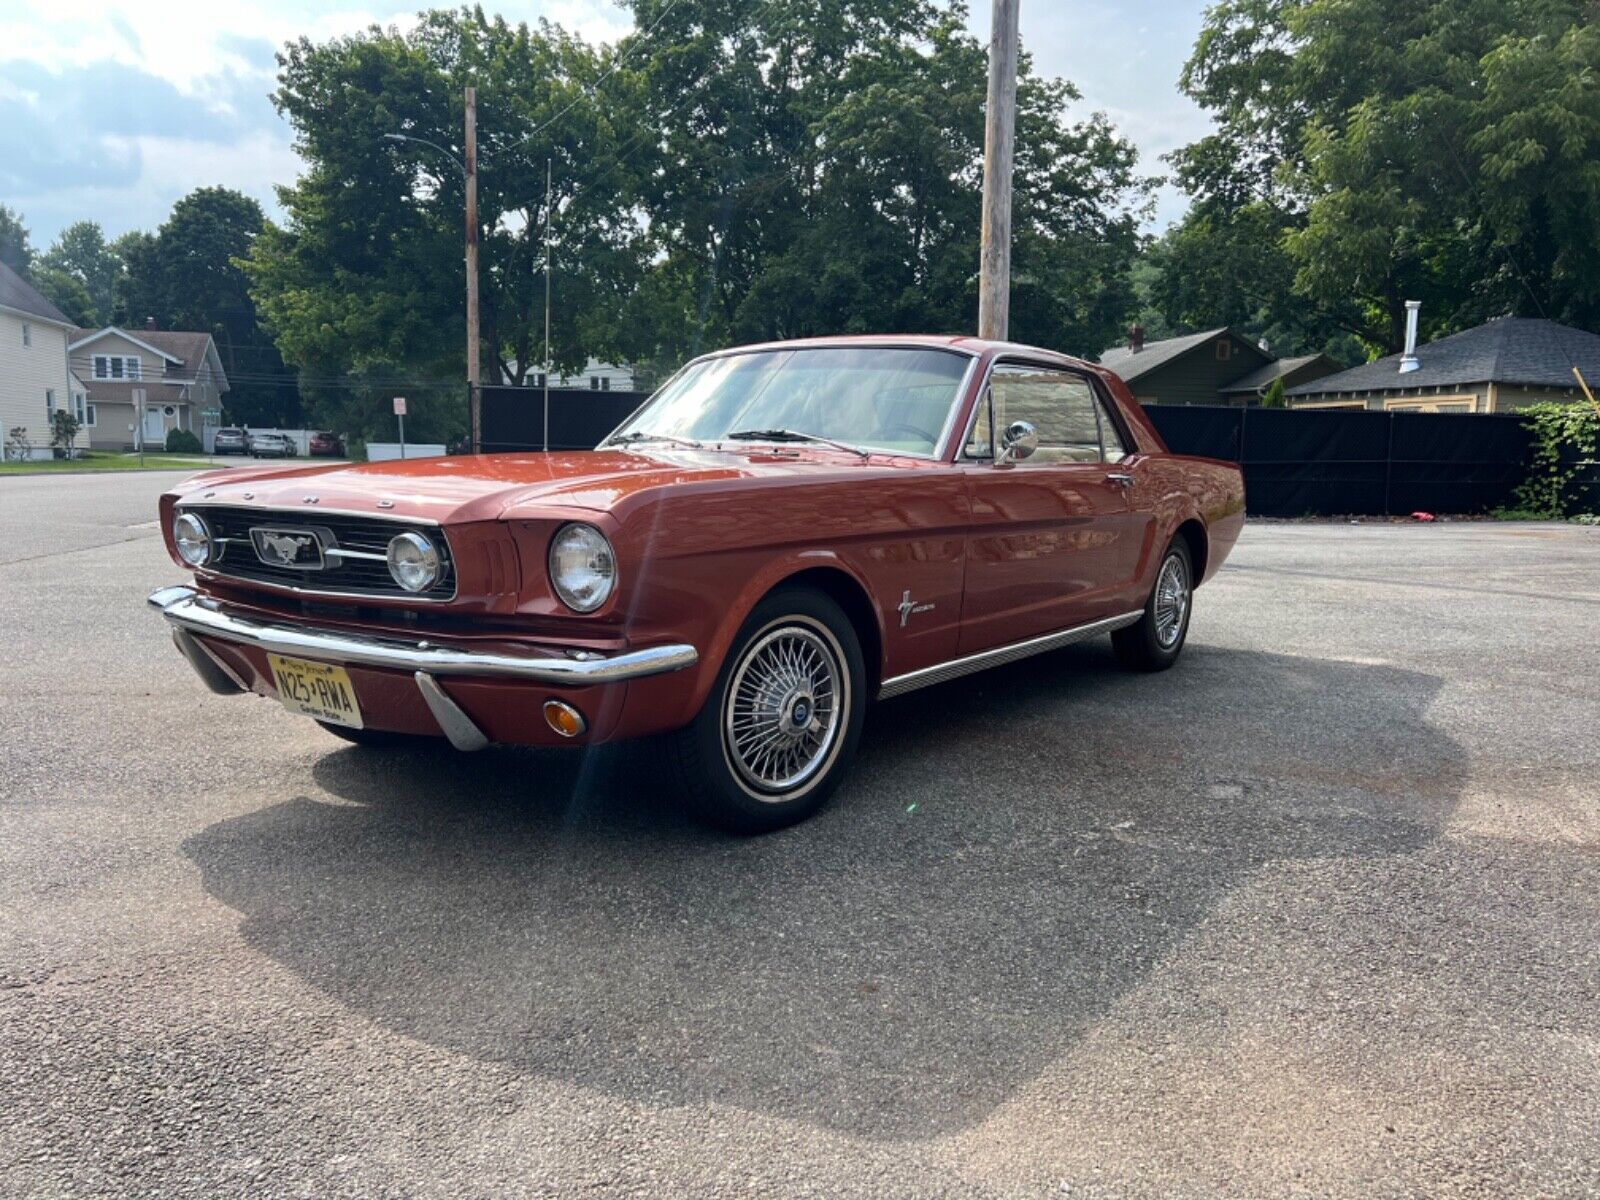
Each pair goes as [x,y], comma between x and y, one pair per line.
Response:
[1121,477]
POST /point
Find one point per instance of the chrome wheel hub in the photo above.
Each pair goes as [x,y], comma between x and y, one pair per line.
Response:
[1172,601]
[781,717]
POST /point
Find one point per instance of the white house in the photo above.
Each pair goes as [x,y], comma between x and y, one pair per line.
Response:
[596,375]
[35,379]
[141,385]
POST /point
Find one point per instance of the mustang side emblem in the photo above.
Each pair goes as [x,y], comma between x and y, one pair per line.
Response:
[908,607]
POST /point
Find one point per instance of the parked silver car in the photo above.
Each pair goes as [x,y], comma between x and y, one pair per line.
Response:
[271,445]
[231,441]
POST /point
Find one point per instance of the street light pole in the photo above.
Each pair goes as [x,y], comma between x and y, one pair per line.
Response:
[474,401]
[994,276]
[547,305]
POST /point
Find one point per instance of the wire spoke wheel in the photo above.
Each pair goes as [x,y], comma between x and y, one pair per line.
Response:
[1172,600]
[784,708]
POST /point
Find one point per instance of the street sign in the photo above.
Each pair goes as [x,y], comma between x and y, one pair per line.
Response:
[399,406]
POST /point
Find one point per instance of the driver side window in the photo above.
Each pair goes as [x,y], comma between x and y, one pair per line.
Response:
[1059,405]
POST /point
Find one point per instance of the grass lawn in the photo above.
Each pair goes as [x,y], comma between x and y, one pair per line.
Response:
[94,461]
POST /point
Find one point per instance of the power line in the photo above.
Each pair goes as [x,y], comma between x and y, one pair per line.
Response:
[594,88]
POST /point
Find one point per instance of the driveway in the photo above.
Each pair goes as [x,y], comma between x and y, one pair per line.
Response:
[1317,912]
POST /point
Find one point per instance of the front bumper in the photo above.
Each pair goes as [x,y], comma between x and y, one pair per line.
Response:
[193,615]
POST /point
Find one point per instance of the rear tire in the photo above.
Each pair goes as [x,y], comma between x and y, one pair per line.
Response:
[1154,642]
[780,726]
[374,739]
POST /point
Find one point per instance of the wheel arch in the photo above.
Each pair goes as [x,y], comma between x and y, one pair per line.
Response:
[1193,532]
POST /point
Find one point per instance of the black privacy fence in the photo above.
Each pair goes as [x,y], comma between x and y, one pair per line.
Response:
[513,417]
[1297,462]
[1323,462]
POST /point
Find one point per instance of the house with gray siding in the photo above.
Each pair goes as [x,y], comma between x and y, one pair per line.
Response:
[1216,366]
[144,384]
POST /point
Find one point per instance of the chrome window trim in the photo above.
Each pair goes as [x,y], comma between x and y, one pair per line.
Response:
[400,595]
[941,443]
[954,668]
[1101,402]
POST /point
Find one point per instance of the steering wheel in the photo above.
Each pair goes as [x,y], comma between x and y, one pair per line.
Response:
[902,427]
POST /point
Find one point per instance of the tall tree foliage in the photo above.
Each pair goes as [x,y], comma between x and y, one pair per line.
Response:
[818,169]
[188,275]
[733,170]
[82,252]
[1368,153]
[365,278]
[16,250]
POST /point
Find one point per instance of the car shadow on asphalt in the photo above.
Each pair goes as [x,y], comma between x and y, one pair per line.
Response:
[1011,854]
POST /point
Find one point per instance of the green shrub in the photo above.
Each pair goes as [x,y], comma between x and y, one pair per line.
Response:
[1563,435]
[181,441]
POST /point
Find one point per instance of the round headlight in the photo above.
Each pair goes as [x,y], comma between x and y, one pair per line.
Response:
[414,562]
[583,570]
[193,538]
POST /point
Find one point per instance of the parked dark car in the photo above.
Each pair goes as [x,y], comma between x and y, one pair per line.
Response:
[325,444]
[271,445]
[231,441]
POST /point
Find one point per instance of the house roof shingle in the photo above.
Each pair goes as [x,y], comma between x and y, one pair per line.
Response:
[188,348]
[1131,365]
[1516,350]
[1261,378]
[17,293]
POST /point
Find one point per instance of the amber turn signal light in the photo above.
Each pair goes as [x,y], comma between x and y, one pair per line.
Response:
[564,719]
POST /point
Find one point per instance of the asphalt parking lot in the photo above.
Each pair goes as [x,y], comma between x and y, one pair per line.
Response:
[1316,913]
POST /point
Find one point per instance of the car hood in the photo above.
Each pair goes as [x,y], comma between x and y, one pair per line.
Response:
[487,486]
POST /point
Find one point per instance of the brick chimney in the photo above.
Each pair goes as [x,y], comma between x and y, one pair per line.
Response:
[1136,337]
[150,323]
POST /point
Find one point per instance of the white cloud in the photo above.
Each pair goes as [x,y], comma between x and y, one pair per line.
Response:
[216,57]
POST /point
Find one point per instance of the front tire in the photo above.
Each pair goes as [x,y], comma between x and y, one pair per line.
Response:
[781,724]
[1154,642]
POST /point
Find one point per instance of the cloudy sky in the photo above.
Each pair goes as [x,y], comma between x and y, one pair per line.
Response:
[112,111]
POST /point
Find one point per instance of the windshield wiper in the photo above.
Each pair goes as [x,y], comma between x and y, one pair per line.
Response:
[637,436]
[793,435]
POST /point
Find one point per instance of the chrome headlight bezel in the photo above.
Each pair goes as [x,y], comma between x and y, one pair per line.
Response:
[580,547]
[190,530]
[414,561]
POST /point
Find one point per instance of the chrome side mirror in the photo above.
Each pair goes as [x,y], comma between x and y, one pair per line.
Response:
[1021,440]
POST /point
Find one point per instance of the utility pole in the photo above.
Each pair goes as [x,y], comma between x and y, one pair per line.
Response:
[547,305]
[474,399]
[994,273]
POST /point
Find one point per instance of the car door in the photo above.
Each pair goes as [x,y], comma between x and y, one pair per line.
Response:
[1052,541]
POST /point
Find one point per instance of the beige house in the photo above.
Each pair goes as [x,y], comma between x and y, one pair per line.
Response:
[35,379]
[144,384]
[1497,367]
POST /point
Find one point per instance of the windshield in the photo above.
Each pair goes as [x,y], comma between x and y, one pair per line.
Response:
[895,400]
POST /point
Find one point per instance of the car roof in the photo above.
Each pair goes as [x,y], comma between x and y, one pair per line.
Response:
[960,343]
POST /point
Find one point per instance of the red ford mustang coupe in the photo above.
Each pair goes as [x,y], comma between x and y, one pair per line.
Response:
[779,535]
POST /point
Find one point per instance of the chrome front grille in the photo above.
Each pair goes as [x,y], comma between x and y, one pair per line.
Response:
[236,555]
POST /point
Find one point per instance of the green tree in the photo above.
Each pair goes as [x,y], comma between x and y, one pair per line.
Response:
[81,251]
[1274,395]
[15,250]
[363,283]
[189,275]
[827,178]
[67,293]
[1442,151]
[139,289]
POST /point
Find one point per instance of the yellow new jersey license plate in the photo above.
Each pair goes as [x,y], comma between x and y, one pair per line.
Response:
[314,689]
